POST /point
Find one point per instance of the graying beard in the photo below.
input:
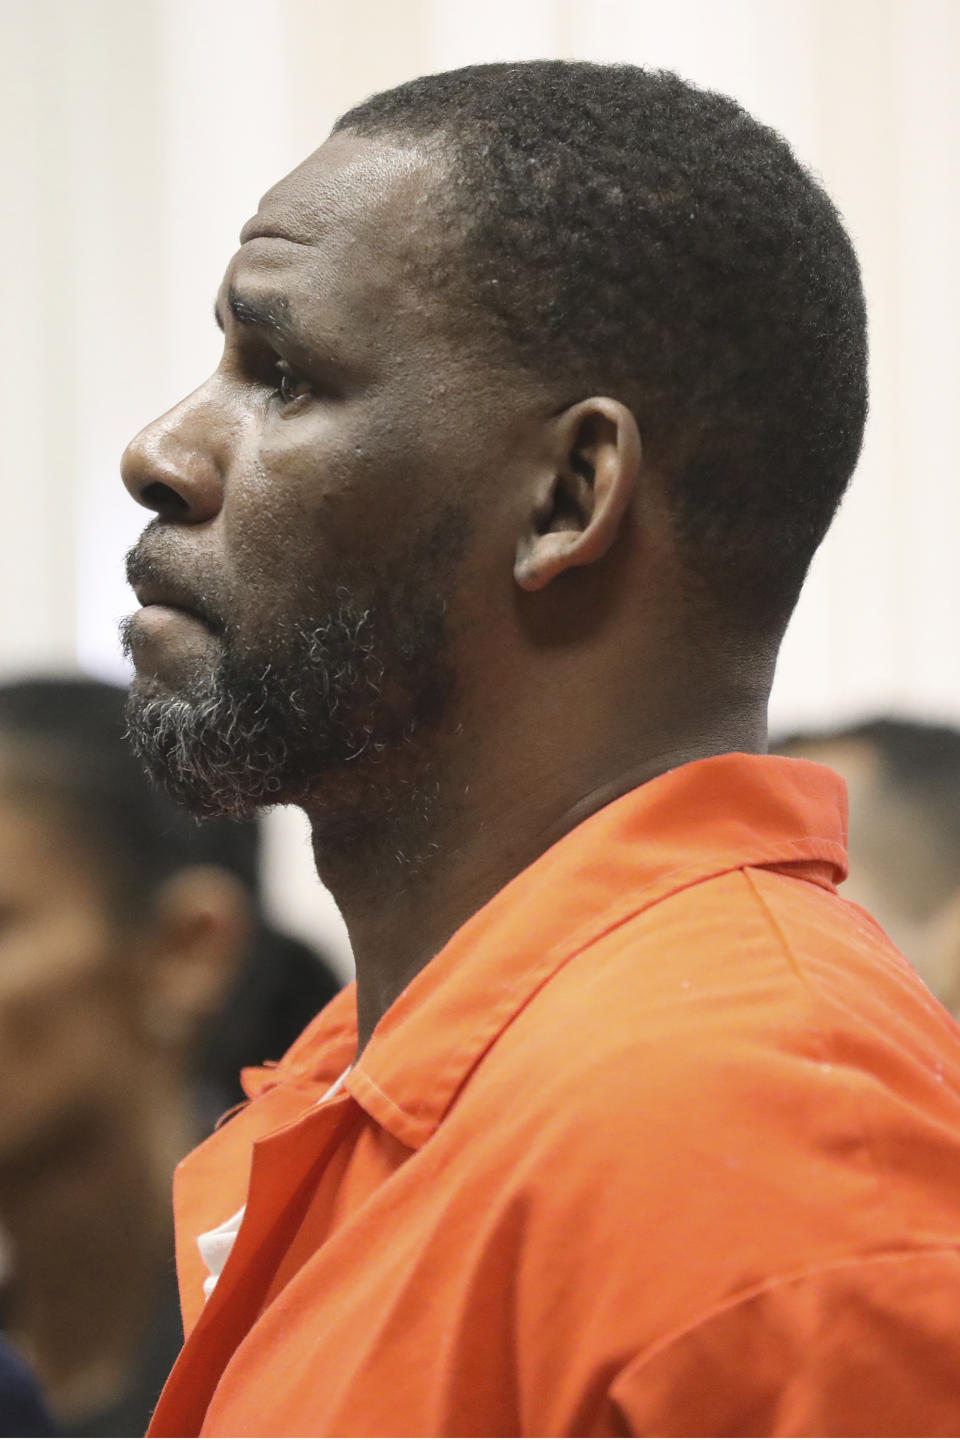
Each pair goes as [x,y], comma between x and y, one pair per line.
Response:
[220,752]
[206,758]
[328,722]
[227,750]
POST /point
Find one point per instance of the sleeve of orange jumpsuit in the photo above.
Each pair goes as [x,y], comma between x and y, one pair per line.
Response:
[870,1347]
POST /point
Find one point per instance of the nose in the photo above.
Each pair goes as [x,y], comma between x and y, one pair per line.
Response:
[172,466]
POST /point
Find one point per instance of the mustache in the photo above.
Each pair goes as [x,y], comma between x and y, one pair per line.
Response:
[149,569]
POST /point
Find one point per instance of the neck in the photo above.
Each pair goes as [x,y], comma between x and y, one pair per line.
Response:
[491,820]
[89,1229]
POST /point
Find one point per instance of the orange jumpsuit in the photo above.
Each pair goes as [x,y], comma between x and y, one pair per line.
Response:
[666,1140]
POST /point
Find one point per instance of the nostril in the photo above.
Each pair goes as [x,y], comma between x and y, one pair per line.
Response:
[164,500]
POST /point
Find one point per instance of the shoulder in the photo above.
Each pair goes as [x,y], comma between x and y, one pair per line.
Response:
[708,1129]
[745,992]
[723,1103]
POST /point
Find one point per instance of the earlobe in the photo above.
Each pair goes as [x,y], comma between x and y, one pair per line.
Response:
[578,514]
[542,557]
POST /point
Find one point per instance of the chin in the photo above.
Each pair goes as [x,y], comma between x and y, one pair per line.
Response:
[171,651]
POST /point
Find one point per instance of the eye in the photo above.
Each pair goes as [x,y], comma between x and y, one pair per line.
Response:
[288,384]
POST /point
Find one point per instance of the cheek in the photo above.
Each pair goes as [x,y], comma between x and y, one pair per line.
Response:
[321,502]
[63,1031]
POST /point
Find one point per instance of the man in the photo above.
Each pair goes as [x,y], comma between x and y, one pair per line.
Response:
[903,779]
[539,388]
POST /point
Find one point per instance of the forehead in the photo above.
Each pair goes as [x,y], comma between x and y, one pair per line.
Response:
[350,224]
[350,184]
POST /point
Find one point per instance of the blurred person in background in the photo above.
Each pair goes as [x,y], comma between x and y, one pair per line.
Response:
[22,1409]
[903,780]
[136,979]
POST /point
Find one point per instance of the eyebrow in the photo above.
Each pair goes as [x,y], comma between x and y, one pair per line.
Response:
[266,312]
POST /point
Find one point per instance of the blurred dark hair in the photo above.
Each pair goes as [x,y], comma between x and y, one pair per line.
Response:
[919,771]
[71,732]
[67,738]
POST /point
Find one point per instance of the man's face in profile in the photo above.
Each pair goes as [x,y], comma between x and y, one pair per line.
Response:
[313,498]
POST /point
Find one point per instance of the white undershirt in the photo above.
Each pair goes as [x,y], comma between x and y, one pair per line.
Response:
[215,1245]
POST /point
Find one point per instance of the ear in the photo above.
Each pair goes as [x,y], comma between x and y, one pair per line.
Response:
[202,927]
[579,509]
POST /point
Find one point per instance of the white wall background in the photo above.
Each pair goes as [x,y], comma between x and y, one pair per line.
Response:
[137,135]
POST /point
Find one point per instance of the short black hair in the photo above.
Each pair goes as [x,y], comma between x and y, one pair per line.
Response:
[919,786]
[630,234]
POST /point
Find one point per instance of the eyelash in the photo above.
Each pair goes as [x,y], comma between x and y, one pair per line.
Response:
[284,374]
